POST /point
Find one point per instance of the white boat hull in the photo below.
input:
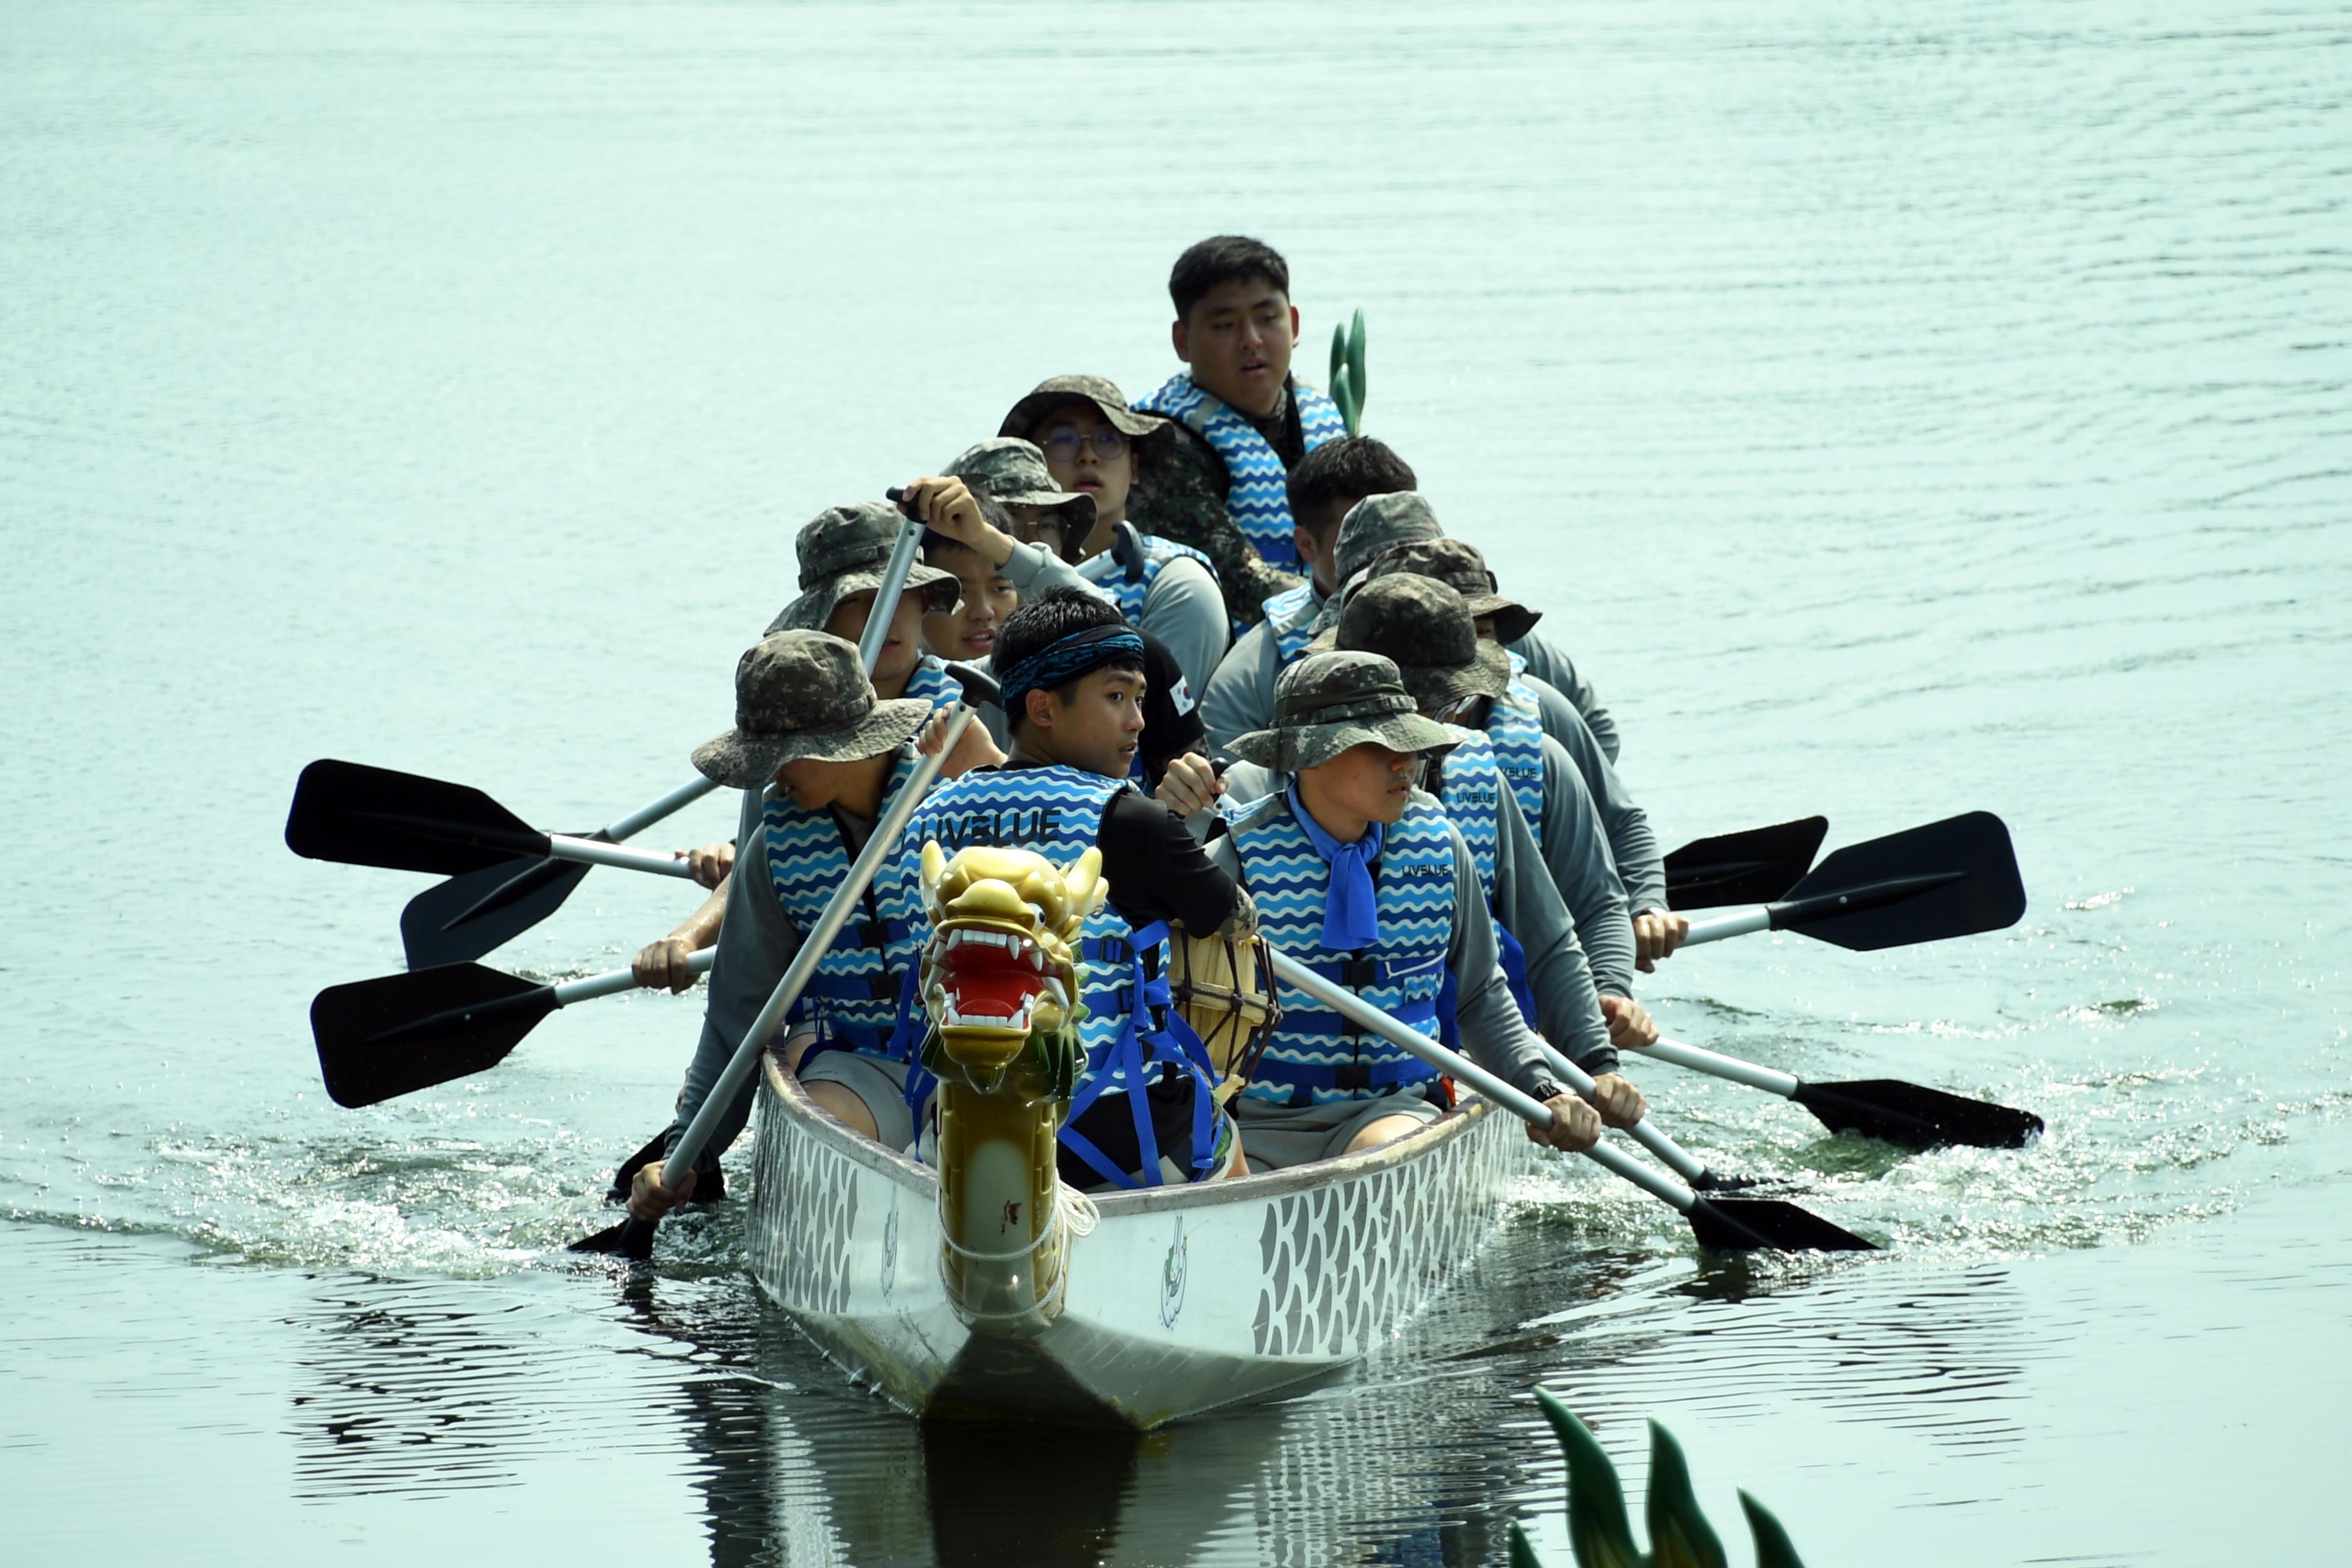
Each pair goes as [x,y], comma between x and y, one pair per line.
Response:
[1180,1300]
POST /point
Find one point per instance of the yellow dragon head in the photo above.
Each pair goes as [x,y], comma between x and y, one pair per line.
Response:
[1001,968]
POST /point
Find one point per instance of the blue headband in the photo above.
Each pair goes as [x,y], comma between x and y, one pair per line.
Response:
[1078,654]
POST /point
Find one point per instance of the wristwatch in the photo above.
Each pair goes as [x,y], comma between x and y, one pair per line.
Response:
[1545,1090]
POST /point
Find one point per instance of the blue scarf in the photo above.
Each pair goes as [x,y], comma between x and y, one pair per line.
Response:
[1351,906]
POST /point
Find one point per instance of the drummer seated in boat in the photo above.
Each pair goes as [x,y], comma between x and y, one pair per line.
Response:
[1072,674]
[1358,874]
[808,722]
[1092,444]
[1558,771]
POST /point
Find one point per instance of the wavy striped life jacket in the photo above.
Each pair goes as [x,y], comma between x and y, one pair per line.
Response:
[852,1000]
[1130,1024]
[1515,727]
[932,683]
[1471,789]
[1316,1057]
[1129,584]
[1290,621]
[1258,499]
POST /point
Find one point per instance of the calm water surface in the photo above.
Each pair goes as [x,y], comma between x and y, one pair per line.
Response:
[1897,410]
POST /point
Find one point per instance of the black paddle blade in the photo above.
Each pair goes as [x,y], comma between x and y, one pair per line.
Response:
[1751,867]
[1751,1225]
[392,1036]
[1953,877]
[459,921]
[633,1238]
[361,816]
[1915,1116]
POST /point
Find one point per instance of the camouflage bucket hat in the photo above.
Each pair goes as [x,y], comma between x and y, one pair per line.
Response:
[1011,472]
[1327,703]
[1456,563]
[803,694]
[1372,526]
[842,554]
[1061,391]
[1426,628]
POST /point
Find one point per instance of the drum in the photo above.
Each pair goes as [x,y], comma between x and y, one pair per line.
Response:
[1223,985]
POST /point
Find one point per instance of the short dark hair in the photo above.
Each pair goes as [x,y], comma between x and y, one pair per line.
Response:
[1352,466]
[1045,620]
[1222,259]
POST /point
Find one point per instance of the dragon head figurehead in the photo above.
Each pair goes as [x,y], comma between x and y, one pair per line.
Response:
[1000,969]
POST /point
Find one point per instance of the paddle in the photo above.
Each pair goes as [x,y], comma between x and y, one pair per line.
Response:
[363,816]
[400,1033]
[1907,1113]
[1650,1136]
[1953,877]
[633,1237]
[469,914]
[1722,1225]
[1751,867]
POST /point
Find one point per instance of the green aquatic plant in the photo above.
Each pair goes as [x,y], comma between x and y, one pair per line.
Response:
[1680,1536]
[1347,374]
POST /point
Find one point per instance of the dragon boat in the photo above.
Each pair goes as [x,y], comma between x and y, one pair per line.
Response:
[980,1288]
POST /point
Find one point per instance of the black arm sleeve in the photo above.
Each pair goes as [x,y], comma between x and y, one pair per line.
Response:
[1156,871]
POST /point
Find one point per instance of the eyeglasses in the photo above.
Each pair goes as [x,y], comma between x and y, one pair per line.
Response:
[1063,441]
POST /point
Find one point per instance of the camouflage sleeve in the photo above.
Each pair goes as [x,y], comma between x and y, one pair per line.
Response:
[1183,498]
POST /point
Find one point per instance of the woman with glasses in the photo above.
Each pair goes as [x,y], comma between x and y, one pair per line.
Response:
[1095,446]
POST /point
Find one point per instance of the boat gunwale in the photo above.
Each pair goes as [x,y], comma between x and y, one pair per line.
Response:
[795,1101]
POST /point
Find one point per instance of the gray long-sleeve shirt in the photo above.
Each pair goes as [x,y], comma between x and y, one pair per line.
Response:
[1239,697]
[1562,903]
[1496,1038]
[1631,845]
[757,942]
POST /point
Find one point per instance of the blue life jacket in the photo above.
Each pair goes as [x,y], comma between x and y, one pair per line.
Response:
[1258,499]
[1129,584]
[1131,1031]
[1290,621]
[1315,1055]
[932,683]
[852,1000]
[1515,729]
[1471,790]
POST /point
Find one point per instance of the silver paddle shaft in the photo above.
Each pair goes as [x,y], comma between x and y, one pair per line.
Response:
[1728,923]
[613,982]
[1653,1139]
[645,816]
[886,598]
[595,852]
[1340,1000]
[814,945]
[1676,1054]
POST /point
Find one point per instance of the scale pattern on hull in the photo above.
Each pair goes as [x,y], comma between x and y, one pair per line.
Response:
[1344,1262]
[805,1261]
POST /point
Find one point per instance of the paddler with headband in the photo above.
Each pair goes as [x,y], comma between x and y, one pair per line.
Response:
[1072,674]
